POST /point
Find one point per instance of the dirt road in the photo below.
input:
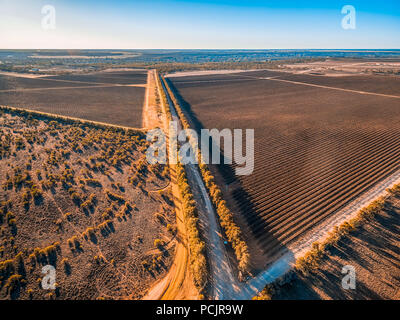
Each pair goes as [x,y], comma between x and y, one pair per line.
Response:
[177,284]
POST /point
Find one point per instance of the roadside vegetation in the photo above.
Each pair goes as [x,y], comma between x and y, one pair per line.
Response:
[197,246]
[198,261]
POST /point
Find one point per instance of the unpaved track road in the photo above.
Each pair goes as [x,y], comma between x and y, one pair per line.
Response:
[177,284]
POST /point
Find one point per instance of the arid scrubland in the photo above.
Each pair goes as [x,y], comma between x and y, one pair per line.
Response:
[82,198]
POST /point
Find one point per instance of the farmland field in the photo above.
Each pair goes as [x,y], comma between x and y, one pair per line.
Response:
[316,148]
[111,97]
[121,77]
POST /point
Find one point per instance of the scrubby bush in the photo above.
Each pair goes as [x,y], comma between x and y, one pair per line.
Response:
[19,143]
[76,198]
[68,216]
[171,229]
[114,197]
[93,182]
[6,268]
[90,233]
[394,190]
[266,294]
[160,217]
[99,259]
[66,265]
[14,282]
[74,243]
[36,193]
[198,263]
[105,227]
[158,243]
[89,202]
[19,262]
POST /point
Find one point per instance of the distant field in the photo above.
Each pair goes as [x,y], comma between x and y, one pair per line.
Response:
[18,83]
[378,84]
[316,149]
[123,77]
[104,97]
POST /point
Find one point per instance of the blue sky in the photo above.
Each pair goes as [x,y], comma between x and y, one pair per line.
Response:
[195,24]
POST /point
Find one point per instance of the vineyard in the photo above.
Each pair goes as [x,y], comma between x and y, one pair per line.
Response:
[109,97]
[116,77]
[316,149]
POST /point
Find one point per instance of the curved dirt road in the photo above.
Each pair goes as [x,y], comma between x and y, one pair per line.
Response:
[177,284]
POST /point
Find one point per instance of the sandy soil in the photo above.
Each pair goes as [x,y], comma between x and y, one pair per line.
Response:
[152,113]
[337,68]
[23,75]
[95,217]
[178,283]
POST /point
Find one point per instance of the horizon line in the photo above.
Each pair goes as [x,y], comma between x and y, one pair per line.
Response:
[255,49]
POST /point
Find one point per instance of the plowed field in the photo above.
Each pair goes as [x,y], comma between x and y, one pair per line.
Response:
[111,97]
[316,148]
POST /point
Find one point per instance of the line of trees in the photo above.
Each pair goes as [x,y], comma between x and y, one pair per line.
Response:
[198,261]
[168,67]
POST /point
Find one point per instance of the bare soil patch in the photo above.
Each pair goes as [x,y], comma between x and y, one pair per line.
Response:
[341,67]
[152,111]
[23,75]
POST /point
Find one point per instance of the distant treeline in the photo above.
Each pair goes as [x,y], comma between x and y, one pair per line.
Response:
[245,65]
[46,67]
